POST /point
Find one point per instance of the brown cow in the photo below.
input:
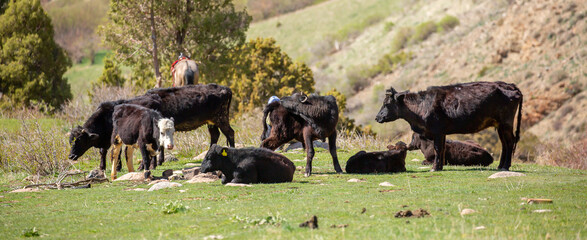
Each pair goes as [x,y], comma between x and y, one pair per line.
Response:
[458,108]
[466,153]
[304,118]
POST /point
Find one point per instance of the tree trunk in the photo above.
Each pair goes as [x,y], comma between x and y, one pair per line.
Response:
[155,52]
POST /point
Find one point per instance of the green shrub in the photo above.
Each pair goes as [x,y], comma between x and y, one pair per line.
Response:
[400,40]
[111,75]
[388,26]
[423,31]
[173,207]
[447,23]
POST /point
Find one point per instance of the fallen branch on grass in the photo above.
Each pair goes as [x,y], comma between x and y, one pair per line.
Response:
[62,176]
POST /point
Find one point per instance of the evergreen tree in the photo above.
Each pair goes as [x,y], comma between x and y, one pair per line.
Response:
[111,75]
[31,63]
[260,70]
[151,34]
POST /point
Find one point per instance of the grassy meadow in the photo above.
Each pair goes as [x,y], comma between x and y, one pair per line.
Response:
[274,211]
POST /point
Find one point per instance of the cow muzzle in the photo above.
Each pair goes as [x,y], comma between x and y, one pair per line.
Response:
[169,146]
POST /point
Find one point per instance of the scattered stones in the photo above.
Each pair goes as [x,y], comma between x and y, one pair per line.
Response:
[386,184]
[158,181]
[356,180]
[506,174]
[238,185]
[479,228]
[416,160]
[312,223]
[132,176]
[162,185]
[211,237]
[201,155]
[135,189]
[339,226]
[467,211]
[408,213]
[189,173]
[96,173]
[542,210]
[26,190]
[204,177]
[191,164]
[183,190]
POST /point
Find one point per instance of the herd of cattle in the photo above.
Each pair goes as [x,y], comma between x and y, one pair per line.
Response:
[148,122]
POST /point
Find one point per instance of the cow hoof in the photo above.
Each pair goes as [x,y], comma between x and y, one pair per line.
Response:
[307,174]
[502,169]
[433,170]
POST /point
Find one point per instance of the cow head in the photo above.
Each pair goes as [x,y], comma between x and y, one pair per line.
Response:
[214,158]
[399,146]
[391,105]
[166,130]
[81,140]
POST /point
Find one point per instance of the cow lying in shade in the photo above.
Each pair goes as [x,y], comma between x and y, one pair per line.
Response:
[393,160]
[141,128]
[466,153]
[248,165]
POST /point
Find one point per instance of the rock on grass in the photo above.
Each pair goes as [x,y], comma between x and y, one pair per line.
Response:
[506,174]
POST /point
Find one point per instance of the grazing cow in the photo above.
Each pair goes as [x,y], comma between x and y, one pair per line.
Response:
[467,153]
[393,160]
[248,165]
[191,106]
[458,108]
[304,118]
[139,127]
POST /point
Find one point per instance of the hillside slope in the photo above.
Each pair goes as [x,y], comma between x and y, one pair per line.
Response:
[539,45]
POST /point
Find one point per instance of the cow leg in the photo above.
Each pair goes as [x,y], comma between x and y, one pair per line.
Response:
[214,134]
[161,156]
[228,133]
[113,156]
[332,149]
[506,136]
[128,154]
[146,156]
[103,153]
[273,142]
[309,150]
[439,147]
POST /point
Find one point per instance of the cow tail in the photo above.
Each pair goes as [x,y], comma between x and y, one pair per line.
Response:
[517,137]
[189,76]
[270,107]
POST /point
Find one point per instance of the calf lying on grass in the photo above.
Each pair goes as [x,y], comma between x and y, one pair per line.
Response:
[141,128]
[248,165]
[393,160]
[466,153]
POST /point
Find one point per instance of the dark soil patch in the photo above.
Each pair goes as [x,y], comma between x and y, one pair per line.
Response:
[416,213]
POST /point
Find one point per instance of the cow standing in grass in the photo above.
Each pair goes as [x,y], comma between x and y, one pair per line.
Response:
[458,108]
[304,118]
[191,106]
[139,127]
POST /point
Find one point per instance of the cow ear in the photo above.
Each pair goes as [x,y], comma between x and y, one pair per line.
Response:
[93,136]
[399,97]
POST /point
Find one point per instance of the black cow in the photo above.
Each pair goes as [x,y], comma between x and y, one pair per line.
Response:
[467,153]
[304,118]
[191,106]
[139,127]
[393,160]
[458,108]
[248,165]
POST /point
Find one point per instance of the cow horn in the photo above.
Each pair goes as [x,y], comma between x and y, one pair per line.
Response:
[304,99]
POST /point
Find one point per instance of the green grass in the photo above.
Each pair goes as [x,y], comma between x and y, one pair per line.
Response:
[13,125]
[106,211]
[80,76]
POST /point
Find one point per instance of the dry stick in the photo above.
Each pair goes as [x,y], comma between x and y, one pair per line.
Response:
[59,185]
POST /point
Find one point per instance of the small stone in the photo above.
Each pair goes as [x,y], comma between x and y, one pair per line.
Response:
[162,185]
[479,228]
[191,164]
[238,185]
[26,190]
[416,160]
[135,189]
[182,191]
[542,210]
[467,211]
[312,223]
[201,155]
[356,180]
[158,181]
[204,177]
[386,184]
[132,176]
[189,173]
[506,174]
[423,167]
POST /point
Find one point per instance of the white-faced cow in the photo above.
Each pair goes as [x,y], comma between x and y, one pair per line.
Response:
[191,106]
[459,108]
[304,118]
[139,127]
